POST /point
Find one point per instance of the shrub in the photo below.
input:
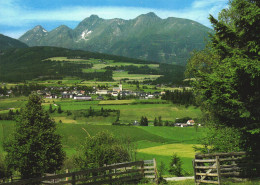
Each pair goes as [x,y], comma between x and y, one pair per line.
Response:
[101,149]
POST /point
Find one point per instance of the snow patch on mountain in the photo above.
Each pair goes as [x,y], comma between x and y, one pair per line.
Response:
[85,34]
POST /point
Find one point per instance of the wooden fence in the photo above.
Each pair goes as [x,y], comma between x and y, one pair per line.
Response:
[119,173]
[210,168]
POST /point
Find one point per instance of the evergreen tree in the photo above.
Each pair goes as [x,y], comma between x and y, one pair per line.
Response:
[176,166]
[50,109]
[155,122]
[145,121]
[36,148]
[59,109]
[142,121]
[160,121]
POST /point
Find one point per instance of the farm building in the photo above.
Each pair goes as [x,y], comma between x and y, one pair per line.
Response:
[87,98]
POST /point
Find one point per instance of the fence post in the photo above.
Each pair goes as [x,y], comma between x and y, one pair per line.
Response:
[142,169]
[194,168]
[73,179]
[155,171]
[218,169]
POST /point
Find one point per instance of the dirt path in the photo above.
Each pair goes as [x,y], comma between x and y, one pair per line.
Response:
[178,178]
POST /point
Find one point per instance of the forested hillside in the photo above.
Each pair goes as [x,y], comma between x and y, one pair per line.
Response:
[18,65]
[8,42]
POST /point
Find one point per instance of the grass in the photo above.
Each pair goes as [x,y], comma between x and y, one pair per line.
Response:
[177,134]
[184,150]
[116,102]
[6,130]
[140,77]
[12,103]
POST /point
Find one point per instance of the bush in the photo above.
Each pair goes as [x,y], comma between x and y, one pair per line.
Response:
[101,149]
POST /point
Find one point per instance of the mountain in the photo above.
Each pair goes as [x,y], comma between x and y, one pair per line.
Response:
[146,37]
[8,42]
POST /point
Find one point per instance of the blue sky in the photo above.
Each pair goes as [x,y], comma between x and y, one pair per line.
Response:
[18,16]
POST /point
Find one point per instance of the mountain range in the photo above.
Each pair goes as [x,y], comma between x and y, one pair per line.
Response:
[146,37]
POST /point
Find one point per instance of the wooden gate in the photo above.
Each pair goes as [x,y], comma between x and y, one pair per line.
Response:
[210,168]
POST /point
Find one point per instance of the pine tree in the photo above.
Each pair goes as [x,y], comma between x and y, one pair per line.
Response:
[59,110]
[145,121]
[160,121]
[50,109]
[36,148]
[176,166]
[142,121]
[155,122]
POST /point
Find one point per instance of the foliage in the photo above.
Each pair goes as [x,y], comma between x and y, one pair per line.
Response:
[227,84]
[161,172]
[4,171]
[35,148]
[176,166]
[220,139]
[101,149]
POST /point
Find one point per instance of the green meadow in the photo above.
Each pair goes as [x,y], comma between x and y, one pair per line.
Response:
[150,142]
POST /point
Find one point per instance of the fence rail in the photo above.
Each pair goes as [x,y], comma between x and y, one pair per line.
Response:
[123,172]
[210,168]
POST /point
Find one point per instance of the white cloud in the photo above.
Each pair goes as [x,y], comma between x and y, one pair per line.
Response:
[12,14]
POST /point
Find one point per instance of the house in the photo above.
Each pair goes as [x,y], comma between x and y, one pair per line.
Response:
[184,125]
[86,98]
[190,122]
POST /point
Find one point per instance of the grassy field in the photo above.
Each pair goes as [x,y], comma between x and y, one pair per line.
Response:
[151,142]
[131,110]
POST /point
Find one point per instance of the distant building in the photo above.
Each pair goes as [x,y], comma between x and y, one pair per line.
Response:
[102,92]
[114,93]
[190,122]
[86,98]
[118,89]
